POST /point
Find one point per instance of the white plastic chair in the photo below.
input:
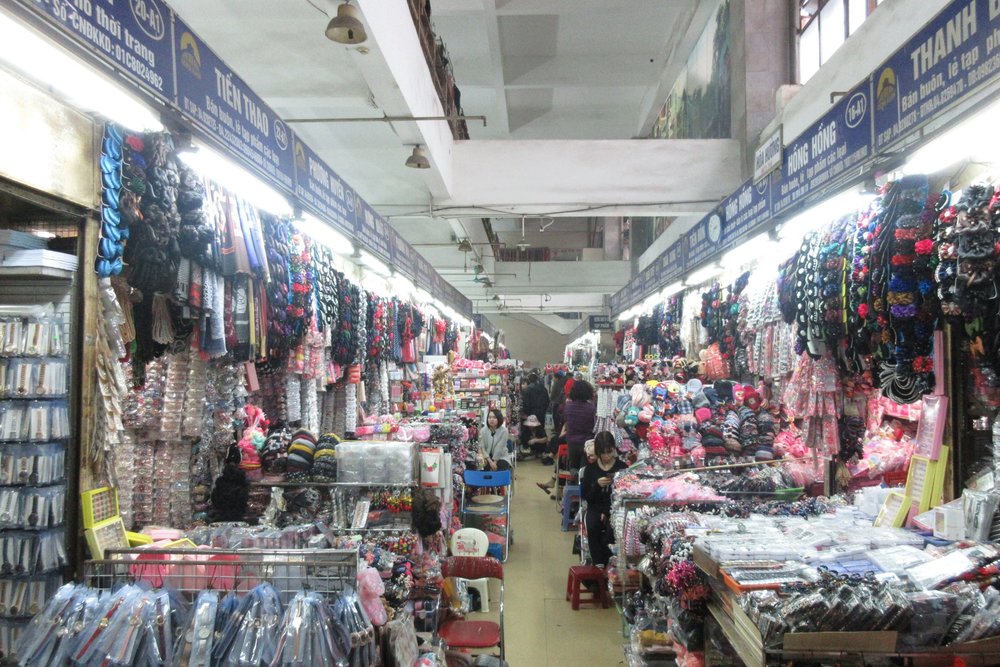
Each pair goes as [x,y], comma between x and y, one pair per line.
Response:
[473,542]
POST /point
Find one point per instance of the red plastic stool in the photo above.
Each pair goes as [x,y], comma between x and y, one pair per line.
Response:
[578,574]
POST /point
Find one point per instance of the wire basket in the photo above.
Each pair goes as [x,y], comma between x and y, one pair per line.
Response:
[189,571]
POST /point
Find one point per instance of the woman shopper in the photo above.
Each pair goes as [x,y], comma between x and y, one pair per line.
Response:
[595,490]
[579,417]
[493,439]
[533,436]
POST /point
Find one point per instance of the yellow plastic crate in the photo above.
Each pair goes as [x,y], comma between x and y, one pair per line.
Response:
[99,505]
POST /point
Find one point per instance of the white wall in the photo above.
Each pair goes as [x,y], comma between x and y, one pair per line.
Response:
[530,341]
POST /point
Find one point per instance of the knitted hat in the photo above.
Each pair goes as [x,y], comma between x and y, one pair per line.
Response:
[325,459]
[301,451]
[724,390]
[712,440]
[274,452]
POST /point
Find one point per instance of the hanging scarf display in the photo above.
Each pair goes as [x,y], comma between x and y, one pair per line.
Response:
[809,304]
[327,288]
[197,238]
[345,341]
[410,325]
[831,282]
[279,327]
[299,306]
[902,335]
[361,351]
[730,345]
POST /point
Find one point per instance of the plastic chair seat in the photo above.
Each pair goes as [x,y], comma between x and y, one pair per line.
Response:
[578,574]
[470,634]
[570,502]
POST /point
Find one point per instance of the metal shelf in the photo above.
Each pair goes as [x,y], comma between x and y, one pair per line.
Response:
[49,272]
[324,485]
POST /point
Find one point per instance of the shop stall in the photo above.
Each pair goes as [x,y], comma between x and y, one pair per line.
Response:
[837,317]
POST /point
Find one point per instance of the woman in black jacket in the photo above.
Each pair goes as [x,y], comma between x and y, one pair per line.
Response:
[595,489]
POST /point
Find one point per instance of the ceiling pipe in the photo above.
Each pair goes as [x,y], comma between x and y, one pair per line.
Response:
[382,119]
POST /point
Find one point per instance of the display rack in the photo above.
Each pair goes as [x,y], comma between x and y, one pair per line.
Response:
[471,390]
[36,461]
[189,571]
[846,648]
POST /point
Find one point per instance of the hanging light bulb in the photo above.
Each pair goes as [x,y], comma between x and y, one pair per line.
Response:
[346,27]
[418,159]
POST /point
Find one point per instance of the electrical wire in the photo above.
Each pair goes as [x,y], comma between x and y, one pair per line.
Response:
[318,9]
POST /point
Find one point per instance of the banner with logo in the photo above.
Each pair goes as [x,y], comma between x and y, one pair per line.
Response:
[953,56]
[133,35]
[219,102]
[830,150]
[320,190]
[703,240]
[745,212]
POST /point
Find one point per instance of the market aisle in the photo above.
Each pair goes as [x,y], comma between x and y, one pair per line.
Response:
[541,629]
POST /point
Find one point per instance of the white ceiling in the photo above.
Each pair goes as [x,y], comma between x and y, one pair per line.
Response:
[537,69]
[560,69]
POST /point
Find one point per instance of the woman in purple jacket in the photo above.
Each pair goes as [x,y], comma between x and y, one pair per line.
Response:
[579,417]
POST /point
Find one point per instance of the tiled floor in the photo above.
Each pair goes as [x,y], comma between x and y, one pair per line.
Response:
[540,627]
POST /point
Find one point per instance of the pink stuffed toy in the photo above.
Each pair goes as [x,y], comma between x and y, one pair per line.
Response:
[370,591]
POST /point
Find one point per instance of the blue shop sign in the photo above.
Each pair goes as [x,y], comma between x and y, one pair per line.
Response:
[321,191]
[618,301]
[746,212]
[650,279]
[135,36]
[423,274]
[671,264]
[404,257]
[953,56]
[222,105]
[371,231]
[703,240]
[634,290]
[828,151]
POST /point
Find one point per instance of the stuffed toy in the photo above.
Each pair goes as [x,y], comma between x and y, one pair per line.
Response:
[252,441]
[370,590]
[632,416]
[441,384]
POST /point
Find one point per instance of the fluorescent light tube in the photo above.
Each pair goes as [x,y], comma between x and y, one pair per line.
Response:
[44,62]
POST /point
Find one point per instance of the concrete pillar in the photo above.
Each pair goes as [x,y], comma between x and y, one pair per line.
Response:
[761,47]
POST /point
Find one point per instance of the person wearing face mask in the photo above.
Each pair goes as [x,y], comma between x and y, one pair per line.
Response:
[493,442]
[595,489]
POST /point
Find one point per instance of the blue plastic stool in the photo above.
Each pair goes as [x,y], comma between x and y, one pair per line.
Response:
[571,497]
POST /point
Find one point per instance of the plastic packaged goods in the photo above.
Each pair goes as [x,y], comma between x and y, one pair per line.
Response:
[979,508]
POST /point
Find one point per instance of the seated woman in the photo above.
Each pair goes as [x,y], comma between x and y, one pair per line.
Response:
[533,436]
[595,490]
[493,439]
